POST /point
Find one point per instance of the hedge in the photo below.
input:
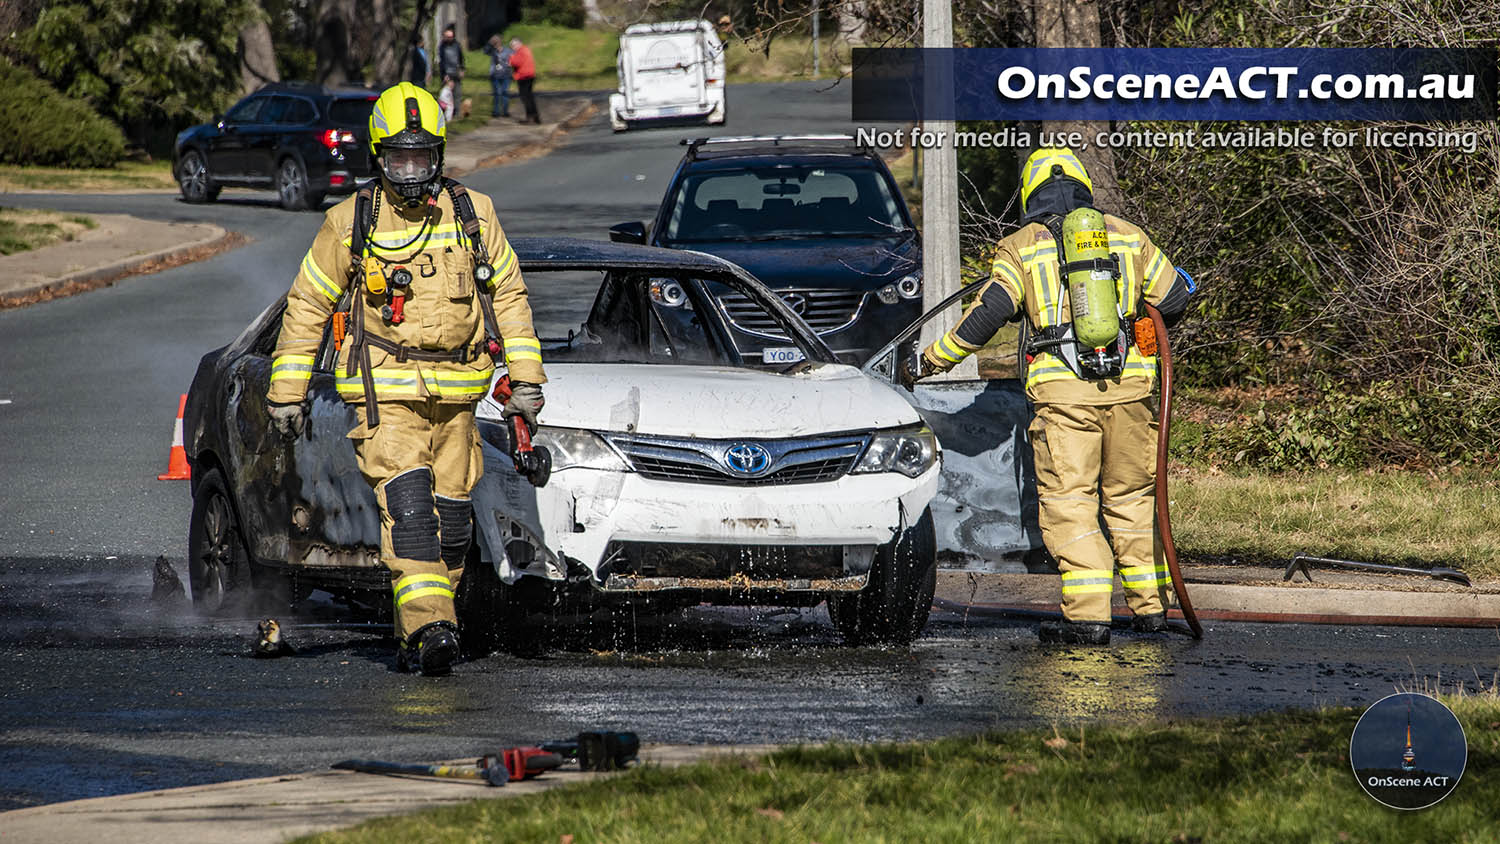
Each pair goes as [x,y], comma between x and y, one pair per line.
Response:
[49,129]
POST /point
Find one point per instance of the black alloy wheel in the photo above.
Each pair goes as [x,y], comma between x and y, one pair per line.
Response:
[194,180]
[218,562]
[292,187]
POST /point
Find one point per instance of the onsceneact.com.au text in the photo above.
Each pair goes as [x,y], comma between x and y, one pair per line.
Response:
[1252,83]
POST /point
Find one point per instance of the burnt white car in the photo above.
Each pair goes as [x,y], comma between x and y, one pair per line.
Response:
[683,470]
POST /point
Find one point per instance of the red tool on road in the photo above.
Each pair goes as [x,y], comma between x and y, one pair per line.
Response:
[533,462]
[513,763]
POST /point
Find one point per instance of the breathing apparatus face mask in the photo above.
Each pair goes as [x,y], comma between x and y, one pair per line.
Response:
[410,172]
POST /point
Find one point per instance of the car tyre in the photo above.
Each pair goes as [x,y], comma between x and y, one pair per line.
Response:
[218,560]
[292,187]
[490,612]
[194,180]
[894,605]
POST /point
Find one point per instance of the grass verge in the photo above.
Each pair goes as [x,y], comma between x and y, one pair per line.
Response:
[1269,778]
[24,229]
[1378,516]
[127,175]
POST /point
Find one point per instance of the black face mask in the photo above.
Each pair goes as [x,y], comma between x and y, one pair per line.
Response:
[1058,195]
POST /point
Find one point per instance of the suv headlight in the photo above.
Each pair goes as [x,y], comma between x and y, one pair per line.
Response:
[576,448]
[910,451]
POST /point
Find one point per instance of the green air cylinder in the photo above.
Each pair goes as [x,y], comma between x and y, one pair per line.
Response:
[1091,292]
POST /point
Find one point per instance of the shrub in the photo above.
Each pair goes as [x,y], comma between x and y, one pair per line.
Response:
[47,128]
[566,13]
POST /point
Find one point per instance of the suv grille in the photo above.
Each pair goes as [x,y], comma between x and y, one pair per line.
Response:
[826,311]
[793,461]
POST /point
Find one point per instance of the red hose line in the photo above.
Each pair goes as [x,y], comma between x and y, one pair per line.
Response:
[1163,505]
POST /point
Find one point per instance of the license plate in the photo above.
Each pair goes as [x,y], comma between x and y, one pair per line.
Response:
[671,111]
[782,354]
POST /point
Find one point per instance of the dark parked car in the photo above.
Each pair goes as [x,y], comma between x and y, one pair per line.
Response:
[817,218]
[682,471]
[302,141]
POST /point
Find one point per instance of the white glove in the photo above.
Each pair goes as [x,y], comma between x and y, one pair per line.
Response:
[287,419]
[525,401]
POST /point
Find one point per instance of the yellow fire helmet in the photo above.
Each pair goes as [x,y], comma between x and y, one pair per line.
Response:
[1058,166]
[407,135]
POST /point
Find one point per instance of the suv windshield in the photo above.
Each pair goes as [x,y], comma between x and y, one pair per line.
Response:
[801,200]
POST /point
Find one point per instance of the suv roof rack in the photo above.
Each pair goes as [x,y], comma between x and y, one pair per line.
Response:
[776,143]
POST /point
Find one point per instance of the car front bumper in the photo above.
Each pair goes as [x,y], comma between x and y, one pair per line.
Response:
[585,517]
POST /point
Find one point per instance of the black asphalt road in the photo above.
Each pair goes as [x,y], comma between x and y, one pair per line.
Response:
[105,692]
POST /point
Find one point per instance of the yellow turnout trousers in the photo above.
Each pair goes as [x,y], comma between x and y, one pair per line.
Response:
[422,460]
[1093,460]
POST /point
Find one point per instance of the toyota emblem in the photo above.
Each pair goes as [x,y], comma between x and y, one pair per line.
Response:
[747,458]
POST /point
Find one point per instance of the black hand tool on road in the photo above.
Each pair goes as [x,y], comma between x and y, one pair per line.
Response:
[1299,563]
[598,750]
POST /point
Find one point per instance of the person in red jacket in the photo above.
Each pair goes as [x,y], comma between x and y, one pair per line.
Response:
[525,72]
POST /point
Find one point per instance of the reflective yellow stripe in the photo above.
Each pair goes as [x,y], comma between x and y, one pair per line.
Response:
[504,261]
[523,348]
[948,350]
[415,586]
[298,367]
[320,279]
[458,384]
[1087,582]
[1003,267]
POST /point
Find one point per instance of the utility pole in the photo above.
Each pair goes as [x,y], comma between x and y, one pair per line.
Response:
[815,39]
[940,259]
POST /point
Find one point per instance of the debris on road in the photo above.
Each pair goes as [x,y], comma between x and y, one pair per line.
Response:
[269,643]
[165,584]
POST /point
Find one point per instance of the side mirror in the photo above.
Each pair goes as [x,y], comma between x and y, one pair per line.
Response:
[628,232]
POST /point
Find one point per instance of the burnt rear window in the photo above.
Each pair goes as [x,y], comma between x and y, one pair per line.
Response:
[350,112]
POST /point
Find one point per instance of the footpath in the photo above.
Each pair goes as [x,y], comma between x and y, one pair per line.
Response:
[123,245]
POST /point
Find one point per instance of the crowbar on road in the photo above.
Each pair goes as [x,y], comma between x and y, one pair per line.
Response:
[1299,563]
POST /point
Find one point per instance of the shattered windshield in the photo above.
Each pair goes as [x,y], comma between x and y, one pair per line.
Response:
[641,317]
[784,201]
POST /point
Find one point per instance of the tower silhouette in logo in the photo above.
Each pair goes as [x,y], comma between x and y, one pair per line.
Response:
[1409,758]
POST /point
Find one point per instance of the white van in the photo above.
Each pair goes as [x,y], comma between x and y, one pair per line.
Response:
[672,70]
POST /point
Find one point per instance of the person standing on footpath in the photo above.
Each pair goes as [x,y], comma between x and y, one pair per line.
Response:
[451,61]
[500,76]
[524,66]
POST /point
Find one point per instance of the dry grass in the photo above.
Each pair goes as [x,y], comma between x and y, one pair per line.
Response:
[25,229]
[125,176]
[1391,516]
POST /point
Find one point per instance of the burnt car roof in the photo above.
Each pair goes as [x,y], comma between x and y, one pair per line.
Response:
[565,253]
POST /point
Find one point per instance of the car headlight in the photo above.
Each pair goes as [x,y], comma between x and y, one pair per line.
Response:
[910,451]
[576,448]
[665,291]
[910,287]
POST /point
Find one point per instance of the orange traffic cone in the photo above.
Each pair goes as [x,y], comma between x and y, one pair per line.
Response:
[177,465]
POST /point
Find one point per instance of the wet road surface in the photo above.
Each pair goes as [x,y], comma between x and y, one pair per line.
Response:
[106,692]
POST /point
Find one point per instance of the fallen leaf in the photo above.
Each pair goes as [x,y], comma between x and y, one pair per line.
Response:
[1056,742]
[773,814]
[565,839]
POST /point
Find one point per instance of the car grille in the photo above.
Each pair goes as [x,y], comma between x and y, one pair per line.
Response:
[826,311]
[790,461]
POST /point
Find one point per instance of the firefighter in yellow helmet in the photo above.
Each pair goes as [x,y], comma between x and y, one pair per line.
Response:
[425,299]
[1094,433]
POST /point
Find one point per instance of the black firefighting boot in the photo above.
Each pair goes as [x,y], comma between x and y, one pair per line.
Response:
[1073,632]
[1155,622]
[432,650]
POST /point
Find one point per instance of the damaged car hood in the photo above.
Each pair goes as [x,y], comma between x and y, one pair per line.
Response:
[713,402]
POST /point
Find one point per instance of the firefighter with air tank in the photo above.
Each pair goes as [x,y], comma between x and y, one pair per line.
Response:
[426,298]
[1078,278]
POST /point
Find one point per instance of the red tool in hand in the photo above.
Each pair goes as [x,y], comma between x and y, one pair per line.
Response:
[534,463]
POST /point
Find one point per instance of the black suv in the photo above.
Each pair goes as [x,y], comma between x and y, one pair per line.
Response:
[818,218]
[303,141]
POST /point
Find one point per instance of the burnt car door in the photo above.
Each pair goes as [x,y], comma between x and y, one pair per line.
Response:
[986,505]
[303,501]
